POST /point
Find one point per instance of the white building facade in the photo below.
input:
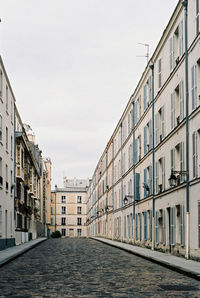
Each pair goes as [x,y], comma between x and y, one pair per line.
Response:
[156,138]
[7,102]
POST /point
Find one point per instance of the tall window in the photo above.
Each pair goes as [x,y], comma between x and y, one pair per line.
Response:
[1,121]
[145,97]
[194,86]
[182,159]
[197,17]
[6,138]
[1,174]
[172,110]
[172,226]
[1,82]
[79,210]
[51,210]
[194,155]
[79,221]
[63,232]
[181,100]
[171,53]
[180,39]
[63,199]
[172,159]
[63,210]
[63,221]
[159,73]
[6,98]
[79,232]
[79,199]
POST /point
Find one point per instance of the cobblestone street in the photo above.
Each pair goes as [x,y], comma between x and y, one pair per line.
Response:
[87,268]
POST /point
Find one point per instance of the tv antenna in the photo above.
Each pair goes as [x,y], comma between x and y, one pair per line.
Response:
[147,53]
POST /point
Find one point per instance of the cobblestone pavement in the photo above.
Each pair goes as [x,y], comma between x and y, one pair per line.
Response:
[87,268]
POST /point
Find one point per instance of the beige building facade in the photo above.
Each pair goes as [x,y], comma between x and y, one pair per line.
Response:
[130,197]
[69,209]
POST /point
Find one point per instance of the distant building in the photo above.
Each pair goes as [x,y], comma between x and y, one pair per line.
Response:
[68,208]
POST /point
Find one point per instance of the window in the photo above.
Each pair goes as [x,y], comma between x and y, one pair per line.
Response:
[125,226]
[136,227]
[194,155]
[172,155]
[145,97]
[63,210]
[182,238]
[156,177]
[19,221]
[159,73]
[51,210]
[197,17]
[6,138]
[63,221]
[11,146]
[156,129]
[7,99]
[145,224]
[172,225]
[51,199]
[163,227]
[79,232]
[171,53]
[182,160]
[162,120]
[150,224]
[149,90]
[1,174]
[181,100]
[79,221]
[180,39]
[63,232]
[1,122]
[6,177]
[198,221]
[79,199]
[51,221]
[137,186]
[145,140]
[1,83]
[194,86]
[172,110]
[63,199]
[156,227]
[79,210]
[1,220]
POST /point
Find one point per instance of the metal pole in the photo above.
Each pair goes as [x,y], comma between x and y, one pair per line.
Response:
[185,4]
[153,162]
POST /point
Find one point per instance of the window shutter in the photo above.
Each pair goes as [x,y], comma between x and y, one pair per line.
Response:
[136,227]
[156,228]
[150,180]
[182,225]
[145,97]
[171,50]
[150,134]
[137,186]
[140,107]
[145,225]
[145,182]
[180,39]
[163,121]
[181,100]
[164,228]
[150,224]
[145,140]
[172,110]
[135,152]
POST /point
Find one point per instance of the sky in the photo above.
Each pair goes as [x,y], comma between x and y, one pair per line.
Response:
[73,65]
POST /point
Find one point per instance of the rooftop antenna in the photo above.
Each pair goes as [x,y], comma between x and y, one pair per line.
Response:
[147,53]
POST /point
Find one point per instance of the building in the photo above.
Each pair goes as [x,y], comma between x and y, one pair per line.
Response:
[7,103]
[25,178]
[68,208]
[145,188]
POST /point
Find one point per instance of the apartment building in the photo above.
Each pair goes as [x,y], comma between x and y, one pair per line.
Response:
[68,208]
[145,188]
[7,103]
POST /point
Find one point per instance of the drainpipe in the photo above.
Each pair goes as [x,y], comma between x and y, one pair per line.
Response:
[134,186]
[153,162]
[122,220]
[185,4]
[14,170]
[112,223]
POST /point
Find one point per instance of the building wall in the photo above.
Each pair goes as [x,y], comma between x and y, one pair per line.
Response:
[131,160]
[7,101]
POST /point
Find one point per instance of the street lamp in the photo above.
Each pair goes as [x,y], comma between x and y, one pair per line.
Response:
[126,201]
[173,179]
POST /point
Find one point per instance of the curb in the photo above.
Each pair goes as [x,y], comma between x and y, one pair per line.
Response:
[173,267]
[16,255]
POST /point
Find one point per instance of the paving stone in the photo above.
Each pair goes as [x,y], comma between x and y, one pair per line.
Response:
[87,268]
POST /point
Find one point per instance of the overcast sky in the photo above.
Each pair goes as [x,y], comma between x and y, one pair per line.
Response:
[73,66]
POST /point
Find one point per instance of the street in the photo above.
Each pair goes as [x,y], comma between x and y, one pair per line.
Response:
[87,268]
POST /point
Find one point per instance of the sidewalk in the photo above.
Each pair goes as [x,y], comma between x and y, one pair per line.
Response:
[187,267]
[11,253]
